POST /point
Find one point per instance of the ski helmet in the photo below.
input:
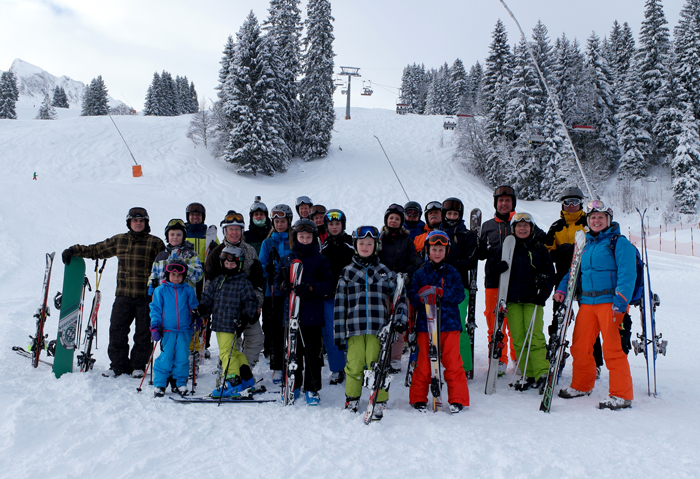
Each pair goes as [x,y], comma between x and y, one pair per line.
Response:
[233,254]
[336,215]
[523,217]
[316,209]
[571,192]
[176,265]
[232,219]
[196,208]
[282,211]
[366,232]
[306,225]
[597,206]
[176,224]
[303,200]
[258,206]
[504,190]
[436,237]
[394,209]
[413,205]
[432,206]
[138,212]
[452,204]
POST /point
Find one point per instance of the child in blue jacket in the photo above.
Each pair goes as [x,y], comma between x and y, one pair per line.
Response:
[171,324]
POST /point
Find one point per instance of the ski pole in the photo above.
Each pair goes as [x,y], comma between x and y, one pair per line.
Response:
[223,382]
[150,360]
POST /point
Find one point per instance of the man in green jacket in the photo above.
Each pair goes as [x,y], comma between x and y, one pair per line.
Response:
[136,251]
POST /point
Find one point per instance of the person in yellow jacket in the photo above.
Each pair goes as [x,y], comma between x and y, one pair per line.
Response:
[560,244]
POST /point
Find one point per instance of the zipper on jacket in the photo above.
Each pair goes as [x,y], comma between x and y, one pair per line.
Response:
[177,309]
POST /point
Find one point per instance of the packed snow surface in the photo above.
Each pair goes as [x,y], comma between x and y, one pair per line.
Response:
[86,425]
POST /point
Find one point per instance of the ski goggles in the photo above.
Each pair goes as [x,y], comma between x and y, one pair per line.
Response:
[315,209]
[571,201]
[452,205]
[175,268]
[433,205]
[366,232]
[598,206]
[438,239]
[137,213]
[278,214]
[334,215]
[412,213]
[230,257]
[396,208]
[232,218]
[196,208]
[519,217]
[304,200]
[176,222]
[504,190]
[305,228]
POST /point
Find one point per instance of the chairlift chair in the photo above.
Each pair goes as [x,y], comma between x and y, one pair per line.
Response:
[583,128]
[449,123]
[366,91]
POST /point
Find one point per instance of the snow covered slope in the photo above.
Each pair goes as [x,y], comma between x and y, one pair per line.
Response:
[85,425]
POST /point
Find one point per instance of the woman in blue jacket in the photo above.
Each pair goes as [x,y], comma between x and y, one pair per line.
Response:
[607,279]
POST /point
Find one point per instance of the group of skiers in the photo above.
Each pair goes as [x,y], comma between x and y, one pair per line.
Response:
[240,290]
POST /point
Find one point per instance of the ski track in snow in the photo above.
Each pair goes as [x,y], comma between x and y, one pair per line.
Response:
[85,425]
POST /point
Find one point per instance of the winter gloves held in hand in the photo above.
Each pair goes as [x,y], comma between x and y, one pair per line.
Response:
[428,294]
[303,289]
[156,334]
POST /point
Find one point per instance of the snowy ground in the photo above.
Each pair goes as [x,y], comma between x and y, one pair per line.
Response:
[85,425]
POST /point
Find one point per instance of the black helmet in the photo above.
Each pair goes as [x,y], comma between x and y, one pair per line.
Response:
[176,224]
[397,210]
[305,225]
[335,214]
[138,212]
[176,265]
[571,192]
[452,204]
[258,206]
[504,190]
[233,254]
[196,208]
[432,206]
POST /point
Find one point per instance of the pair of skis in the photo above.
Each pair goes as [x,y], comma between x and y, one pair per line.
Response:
[496,345]
[564,315]
[292,334]
[377,377]
[649,302]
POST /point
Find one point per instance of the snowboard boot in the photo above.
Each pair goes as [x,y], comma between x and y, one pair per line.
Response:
[337,377]
[379,411]
[615,403]
[456,408]
[351,403]
[569,393]
[159,392]
[312,398]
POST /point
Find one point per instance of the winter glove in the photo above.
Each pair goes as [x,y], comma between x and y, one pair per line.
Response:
[429,293]
[156,334]
[242,324]
[212,245]
[303,289]
[618,319]
[270,268]
[619,304]
[66,256]
[500,267]
[197,322]
[340,345]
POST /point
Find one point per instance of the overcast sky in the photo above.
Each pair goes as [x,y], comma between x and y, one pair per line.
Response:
[126,41]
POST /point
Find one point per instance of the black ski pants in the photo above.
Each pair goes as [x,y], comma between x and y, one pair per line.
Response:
[124,312]
[273,330]
[309,357]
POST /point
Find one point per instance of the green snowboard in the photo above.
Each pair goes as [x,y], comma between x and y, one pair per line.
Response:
[71,309]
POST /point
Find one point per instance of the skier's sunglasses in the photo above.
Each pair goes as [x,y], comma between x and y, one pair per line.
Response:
[334,216]
[366,231]
[175,268]
[438,240]
[572,202]
[527,217]
[137,213]
[504,190]
[277,214]
[452,205]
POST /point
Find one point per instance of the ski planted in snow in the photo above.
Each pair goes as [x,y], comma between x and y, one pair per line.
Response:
[295,272]
[37,344]
[496,345]
[564,315]
[376,377]
[73,294]
[85,360]
[475,226]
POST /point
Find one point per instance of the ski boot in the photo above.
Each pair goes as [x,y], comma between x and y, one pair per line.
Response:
[614,403]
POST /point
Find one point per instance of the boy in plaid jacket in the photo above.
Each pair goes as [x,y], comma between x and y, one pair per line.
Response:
[362,307]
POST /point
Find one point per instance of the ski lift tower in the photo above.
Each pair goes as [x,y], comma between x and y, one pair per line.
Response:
[349,72]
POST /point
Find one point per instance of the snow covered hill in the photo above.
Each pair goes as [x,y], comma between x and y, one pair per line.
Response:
[85,425]
[33,83]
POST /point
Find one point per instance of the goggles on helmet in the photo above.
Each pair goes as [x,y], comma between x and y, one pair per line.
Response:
[395,207]
[334,216]
[277,214]
[233,219]
[598,206]
[317,209]
[438,239]
[229,257]
[504,190]
[412,213]
[304,200]
[365,232]
[175,268]
[137,213]
[571,201]
[518,217]
[176,222]
[195,208]
[433,205]
[453,205]
[305,227]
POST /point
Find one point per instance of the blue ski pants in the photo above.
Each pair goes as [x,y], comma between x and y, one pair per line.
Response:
[173,359]
[336,357]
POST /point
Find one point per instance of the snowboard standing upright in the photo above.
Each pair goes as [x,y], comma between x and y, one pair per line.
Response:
[496,346]
[475,226]
[71,309]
